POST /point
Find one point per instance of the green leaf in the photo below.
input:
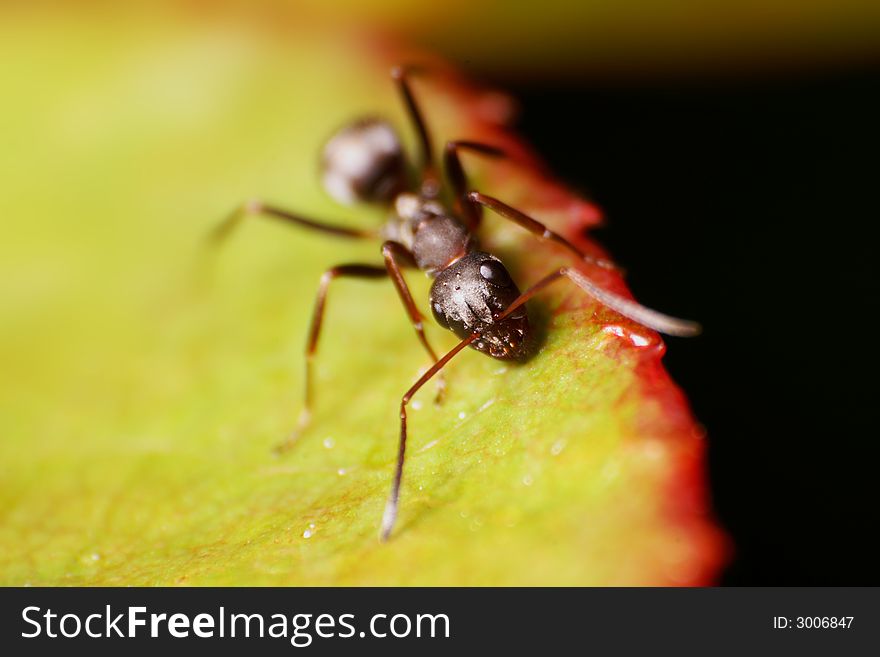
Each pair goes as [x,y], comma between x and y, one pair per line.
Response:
[146,378]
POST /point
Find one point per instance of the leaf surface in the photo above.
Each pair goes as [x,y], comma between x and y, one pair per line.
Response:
[146,379]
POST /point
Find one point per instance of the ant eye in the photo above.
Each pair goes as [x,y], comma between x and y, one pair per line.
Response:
[494,272]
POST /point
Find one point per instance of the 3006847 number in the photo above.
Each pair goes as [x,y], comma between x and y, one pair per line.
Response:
[823,622]
[813,622]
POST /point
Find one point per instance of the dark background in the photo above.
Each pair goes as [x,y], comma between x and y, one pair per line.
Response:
[751,205]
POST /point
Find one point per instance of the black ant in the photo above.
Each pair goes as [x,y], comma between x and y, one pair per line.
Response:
[472,294]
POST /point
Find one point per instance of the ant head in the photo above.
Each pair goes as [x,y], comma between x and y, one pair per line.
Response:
[469,294]
[364,161]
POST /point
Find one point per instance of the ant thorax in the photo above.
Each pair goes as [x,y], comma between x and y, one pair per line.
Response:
[423,225]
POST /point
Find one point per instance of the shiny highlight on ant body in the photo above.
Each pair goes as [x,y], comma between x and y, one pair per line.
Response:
[472,293]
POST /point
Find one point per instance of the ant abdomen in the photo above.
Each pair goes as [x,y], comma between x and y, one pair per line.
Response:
[467,296]
[364,162]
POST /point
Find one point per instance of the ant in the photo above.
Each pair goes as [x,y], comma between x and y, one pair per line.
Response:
[472,294]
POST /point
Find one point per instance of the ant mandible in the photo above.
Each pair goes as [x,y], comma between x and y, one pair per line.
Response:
[472,294]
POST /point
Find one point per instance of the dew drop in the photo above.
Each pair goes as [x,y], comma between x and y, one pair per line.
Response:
[307,533]
[329,442]
[527,480]
[557,447]
[635,338]
[416,405]
[341,472]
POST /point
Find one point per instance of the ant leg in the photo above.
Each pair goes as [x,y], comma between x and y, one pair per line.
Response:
[536,228]
[354,271]
[430,182]
[466,207]
[254,208]
[390,514]
[392,251]
[626,307]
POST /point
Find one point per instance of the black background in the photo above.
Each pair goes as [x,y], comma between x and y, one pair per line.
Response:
[751,205]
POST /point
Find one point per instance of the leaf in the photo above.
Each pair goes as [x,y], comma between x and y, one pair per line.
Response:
[146,379]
